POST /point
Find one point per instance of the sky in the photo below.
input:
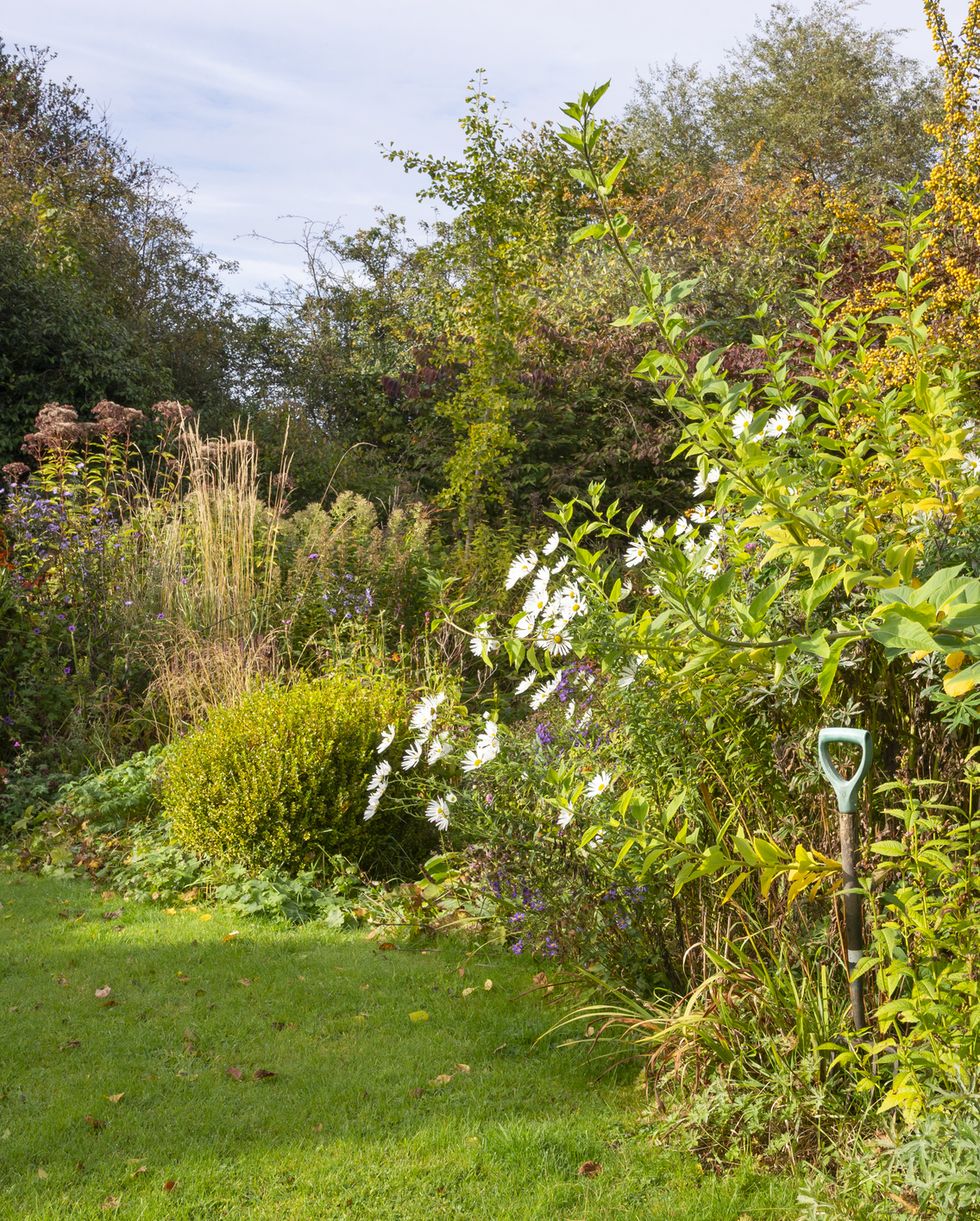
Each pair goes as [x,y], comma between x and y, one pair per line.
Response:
[275,110]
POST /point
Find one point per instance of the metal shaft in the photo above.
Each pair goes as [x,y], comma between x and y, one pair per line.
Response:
[853,927]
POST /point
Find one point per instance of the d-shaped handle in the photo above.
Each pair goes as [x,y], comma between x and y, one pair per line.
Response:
[846,790]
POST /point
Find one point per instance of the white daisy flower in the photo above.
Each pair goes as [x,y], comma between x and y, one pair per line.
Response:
[780,424]
[372,806]
[586,718]
[572,603]
[570,711]
[437,812]
[970,466]
[526,683]
[712,567]
[703,482]
[681,527]
[537,600]
[379,779]
[412,755]
[742,422]
[560,565]
[545,691]
[552,543]
[703,513]
[487,748]
[636,553]
[556,640]
[482,642]
[630,671]
[598,784]
[474,759]
[522,566]
[647,526]
[691,545]
[439,749]
[386,739]
[565,816]
[425,710]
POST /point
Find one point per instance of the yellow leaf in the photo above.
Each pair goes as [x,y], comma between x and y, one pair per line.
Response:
[170,911]
[487,985]
[955,659]
[919,655]
[419,1015]
[955,686]
[467,991]
[205,916]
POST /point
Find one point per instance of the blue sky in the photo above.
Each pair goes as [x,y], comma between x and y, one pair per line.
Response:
[273,109]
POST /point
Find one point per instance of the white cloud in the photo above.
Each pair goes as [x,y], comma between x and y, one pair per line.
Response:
[273,109]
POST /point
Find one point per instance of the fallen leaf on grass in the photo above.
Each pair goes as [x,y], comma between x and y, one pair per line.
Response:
[487,985]
[139,1170]
[418,1015]
[387,945]
[170,1185]
[70,1044]
[463,1068]
[263,1074]
[170,911]
[182,977]
[93,1123]
[467,991]
[442,1079]
[418,1092]
[541,981]
[112,915]
[590,1169]
[246,983]
[205,916]
[115,1097]
[109,1203]
[234,1072]
[230,936]
[102,993]
[62,981]
[41,1172]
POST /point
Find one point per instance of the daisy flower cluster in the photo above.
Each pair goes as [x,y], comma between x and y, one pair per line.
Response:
[781,423]
[546,620]
[686,533]
[548,612]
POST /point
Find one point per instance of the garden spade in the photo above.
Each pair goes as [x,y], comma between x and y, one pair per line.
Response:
[846,793]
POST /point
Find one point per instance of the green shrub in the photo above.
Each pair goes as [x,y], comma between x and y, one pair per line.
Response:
[127,793]
[279,778]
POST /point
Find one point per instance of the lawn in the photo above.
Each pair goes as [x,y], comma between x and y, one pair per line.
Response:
[237,1069]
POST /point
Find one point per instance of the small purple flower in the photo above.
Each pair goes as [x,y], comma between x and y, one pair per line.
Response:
[71,627]
[518,946]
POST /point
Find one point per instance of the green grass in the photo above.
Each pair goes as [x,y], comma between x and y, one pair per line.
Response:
[352,1125]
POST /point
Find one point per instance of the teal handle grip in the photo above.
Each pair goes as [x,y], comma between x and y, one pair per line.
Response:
[846,790]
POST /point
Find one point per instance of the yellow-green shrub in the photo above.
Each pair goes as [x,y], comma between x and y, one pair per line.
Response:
[279,778]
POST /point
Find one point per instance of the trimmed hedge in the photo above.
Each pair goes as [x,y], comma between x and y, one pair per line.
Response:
[279,778]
